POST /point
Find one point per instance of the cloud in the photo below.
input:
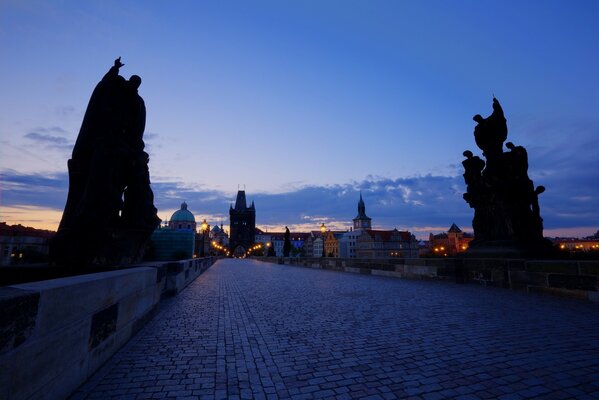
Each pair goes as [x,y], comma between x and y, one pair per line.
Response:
[52,137]
[41,190]
[56,140]
[405,203]
[570,174]
[150,136]
[67,111]
[421,204]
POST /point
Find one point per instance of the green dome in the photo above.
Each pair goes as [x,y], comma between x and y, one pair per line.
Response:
[183,215]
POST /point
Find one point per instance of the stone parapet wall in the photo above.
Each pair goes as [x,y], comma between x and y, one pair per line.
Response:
[578,279]
[54,334]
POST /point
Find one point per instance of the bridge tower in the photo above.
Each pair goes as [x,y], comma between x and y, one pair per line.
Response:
[243,225]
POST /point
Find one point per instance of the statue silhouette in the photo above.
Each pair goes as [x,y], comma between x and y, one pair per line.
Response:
[505,202]
[109,213]
[286,243]
[491,132]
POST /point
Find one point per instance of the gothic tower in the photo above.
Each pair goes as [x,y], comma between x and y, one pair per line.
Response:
[243,225]
[362,221]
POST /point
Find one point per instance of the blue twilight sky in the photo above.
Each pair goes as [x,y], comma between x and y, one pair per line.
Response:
[308,103]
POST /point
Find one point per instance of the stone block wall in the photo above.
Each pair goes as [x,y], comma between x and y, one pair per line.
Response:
[54,334]
[578,279]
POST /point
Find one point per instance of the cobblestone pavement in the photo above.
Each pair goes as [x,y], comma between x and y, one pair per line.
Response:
[246,329]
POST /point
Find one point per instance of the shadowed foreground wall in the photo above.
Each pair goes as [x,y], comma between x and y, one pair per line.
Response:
[54,334]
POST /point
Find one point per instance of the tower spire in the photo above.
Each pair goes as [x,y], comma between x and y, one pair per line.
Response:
[362,221]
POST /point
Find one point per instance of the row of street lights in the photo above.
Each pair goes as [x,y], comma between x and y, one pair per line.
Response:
[204,228]
[253,248]
[220,247]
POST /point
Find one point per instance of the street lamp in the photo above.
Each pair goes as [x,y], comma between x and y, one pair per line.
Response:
[203,229]
[323,230]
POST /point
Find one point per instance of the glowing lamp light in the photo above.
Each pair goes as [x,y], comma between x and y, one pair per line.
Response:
[323,228]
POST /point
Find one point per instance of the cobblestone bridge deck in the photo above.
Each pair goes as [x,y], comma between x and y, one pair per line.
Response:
[246,329]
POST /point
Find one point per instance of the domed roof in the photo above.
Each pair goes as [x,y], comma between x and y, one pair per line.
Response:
[183,215]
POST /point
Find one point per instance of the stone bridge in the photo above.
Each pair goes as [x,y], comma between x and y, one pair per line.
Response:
[247,329]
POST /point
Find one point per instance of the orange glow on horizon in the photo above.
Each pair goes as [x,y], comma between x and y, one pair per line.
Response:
[31,216]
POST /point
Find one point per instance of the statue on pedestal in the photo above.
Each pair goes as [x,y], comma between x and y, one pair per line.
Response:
[109,214]
[507,218]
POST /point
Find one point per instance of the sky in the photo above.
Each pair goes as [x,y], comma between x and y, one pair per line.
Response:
[307,104]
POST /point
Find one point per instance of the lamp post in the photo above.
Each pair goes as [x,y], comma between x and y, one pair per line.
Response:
[323,230]
[203,229]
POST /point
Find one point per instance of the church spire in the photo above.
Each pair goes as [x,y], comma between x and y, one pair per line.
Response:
[362,221]
[361,207]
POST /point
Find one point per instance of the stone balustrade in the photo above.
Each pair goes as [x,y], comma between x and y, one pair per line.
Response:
[579,279]
[55,333]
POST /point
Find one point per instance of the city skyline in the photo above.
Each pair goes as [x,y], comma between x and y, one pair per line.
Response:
[307,105]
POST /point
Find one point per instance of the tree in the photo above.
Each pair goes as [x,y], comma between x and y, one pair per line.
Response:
[295,252]
[287,244]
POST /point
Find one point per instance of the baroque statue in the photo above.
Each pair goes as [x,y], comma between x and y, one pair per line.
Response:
[109,213]
[507,218]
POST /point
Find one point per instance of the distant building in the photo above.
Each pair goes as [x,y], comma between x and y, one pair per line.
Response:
[318,246]
[451,243]
[243,225]
[331,243]
[264,238]
[362,221]
[348,241]
[587,244]
[168,245]
[298,239]
[219,235]
[383,244]
[309,245]
[276,240]
[22,244]
[176,240]
[182,220]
